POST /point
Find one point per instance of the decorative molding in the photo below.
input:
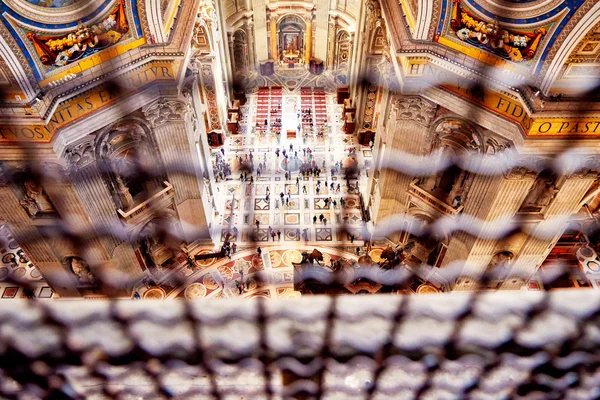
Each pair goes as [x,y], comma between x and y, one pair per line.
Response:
[80,155]
[414,108]
[165,110]
[520,173]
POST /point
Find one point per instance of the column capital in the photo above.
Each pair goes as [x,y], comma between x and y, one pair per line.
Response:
[80,155]
[166,110]
[413,108]
[520,173]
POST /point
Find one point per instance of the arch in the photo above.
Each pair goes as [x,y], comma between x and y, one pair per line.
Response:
[291,29]
[292,17]
[378,39]
[585,24]
[456,133]
[122,149]
[155,21]
[240,54]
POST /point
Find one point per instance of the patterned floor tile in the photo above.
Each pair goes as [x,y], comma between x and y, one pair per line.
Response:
[261,205]
[258,235]
[292,218]
[262,218]
[323,234]
[291,189]
[291,235]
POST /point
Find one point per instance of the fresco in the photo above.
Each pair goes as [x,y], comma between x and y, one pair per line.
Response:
[58,51]
[489,35]
[53,3]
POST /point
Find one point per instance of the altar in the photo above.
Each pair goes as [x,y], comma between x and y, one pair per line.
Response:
[291,56]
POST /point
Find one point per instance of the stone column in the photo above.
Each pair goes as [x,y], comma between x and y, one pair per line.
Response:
[91,201]
[407,128]
[168,120]
[249,28]
[331,45]
[274,51]
[308,41]
[490,199]
[535,250]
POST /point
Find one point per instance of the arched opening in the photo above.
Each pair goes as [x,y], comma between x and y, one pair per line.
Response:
[452,138]
[343,48]
[126,152]
[240,52]
[290,41]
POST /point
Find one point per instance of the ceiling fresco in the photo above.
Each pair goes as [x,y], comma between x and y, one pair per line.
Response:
[50,46]
[53,3]
[502,30]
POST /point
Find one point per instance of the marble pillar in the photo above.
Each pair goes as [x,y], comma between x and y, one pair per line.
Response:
[273,30]
[169,119]
[407,127]
[535,249]
[493,200]
[90,201]
[249,28]
[308,41]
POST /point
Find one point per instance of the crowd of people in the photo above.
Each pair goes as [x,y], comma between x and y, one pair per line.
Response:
[221,168]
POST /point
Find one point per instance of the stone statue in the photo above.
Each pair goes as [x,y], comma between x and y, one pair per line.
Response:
[35,200]
[82,270]
[541,194]
[547,195]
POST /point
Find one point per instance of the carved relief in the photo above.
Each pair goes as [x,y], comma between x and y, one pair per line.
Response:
[519,173]
[164,111]
[35,200]
[415,109]
[80,155]
[541,195]
[81,269]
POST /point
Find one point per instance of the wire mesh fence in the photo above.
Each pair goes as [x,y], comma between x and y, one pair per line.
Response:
[477,345]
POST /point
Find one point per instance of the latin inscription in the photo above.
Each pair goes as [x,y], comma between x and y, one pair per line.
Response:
[80,107]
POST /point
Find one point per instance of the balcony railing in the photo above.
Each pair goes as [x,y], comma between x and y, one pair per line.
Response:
[156,201]
[430,200]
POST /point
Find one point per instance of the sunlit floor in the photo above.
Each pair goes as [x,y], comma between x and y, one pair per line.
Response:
[243,204]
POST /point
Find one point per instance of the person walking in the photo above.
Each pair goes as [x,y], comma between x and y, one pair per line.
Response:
[273,235]
[304,189]
[279,235]
[318,190]
[258,251]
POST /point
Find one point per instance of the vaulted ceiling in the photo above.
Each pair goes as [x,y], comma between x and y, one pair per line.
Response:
[542,41]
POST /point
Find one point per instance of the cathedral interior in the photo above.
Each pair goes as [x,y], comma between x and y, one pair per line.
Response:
[275,149]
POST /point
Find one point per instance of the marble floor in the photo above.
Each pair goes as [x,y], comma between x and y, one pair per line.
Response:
[242,204]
